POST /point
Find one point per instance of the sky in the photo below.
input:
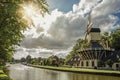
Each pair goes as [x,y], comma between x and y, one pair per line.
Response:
[62,5]
[56,34]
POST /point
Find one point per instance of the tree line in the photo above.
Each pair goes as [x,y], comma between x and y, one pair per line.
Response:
[50,61]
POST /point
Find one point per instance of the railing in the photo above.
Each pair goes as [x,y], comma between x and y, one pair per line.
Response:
[96,49]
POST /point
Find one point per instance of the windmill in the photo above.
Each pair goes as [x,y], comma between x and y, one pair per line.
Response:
[89,25]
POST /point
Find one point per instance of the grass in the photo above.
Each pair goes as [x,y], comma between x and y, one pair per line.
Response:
[80,70]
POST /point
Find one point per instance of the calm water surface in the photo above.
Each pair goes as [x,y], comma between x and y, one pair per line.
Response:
[21,72]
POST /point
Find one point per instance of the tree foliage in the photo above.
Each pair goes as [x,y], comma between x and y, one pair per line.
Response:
[23,59]
[111,40]
[105,40]
[115,39]
[28,59]
[12,24]
[80,44]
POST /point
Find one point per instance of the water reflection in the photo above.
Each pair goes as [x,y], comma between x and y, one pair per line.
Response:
[21,72]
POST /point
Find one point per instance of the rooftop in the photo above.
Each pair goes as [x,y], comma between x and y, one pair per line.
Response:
[95,30]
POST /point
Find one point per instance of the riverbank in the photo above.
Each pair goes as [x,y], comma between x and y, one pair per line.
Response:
[80,70]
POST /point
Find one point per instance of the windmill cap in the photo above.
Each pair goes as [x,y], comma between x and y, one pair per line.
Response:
[95,30]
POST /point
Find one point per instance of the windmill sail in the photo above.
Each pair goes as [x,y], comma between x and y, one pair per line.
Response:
[89,25]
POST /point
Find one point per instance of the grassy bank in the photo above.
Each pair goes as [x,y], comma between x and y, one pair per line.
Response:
[79,70]
[3,76]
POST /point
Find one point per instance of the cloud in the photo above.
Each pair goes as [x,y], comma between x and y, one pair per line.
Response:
[20,52]
[34,52]
[59,31]
[107,7]
[85,6]
[61,34]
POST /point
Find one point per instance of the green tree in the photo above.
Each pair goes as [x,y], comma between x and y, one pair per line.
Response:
[115,39]
[80,44]
[34,61]
[23,59]
[105,40]
[28,59]
[109,62]
[12,24]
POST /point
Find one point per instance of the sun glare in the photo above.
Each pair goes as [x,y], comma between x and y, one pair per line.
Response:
[29,11]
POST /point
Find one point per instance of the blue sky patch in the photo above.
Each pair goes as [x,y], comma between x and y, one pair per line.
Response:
[62,5]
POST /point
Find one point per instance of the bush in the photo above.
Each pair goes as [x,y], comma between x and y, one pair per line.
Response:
[4,77]
[3,73]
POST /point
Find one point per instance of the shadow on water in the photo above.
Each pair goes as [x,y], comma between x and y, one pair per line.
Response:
[21,72]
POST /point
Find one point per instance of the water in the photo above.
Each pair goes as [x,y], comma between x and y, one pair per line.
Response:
[21,72]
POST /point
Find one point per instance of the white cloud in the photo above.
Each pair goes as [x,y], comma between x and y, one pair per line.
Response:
[59,31]
[34,52]
[85,6]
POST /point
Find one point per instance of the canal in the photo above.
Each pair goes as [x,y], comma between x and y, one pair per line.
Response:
[21,72]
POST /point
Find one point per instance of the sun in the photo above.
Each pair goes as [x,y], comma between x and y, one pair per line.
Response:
[31,14]
[29,11]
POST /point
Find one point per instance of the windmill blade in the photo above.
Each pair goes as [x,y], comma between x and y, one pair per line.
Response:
[89,17]
[85,35]
[86,30]
[89,28]
[89,22]
[89,25]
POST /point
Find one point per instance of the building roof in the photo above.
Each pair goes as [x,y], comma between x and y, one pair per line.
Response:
[95,30]
[95,44]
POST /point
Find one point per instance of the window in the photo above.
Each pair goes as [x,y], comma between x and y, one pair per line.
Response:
[82,63]
[75,59]
[93,64]
[117,65]
[87,64]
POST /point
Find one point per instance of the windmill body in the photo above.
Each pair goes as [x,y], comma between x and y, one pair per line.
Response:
[94,52]
[94,55]
[92,34]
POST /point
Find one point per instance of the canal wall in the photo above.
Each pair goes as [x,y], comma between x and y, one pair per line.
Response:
[80,70]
